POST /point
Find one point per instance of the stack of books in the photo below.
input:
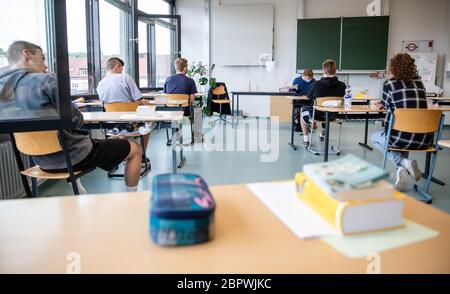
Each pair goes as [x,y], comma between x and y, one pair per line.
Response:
[351,194]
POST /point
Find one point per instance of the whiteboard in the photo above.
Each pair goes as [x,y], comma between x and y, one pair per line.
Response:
[242,34]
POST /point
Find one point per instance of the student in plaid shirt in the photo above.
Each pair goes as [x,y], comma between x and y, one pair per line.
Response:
[403,90]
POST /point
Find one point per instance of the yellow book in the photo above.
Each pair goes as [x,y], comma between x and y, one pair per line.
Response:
[352,216]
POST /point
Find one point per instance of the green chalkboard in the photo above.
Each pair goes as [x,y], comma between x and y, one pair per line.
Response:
[356,43]
[317,39]
[364,43]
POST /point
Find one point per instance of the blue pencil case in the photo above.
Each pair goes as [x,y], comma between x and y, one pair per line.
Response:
[182,210]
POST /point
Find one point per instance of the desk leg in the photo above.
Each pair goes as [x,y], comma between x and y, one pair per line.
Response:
[237,116]
[291,144]
[182,158]
[232,110]
[427,170]
[366,134]
[327,136]
[174,152]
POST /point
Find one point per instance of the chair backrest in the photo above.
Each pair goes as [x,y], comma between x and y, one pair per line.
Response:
[320,101]
[177,97]
[121,106]
[220,90]
[417,121]
[37,143]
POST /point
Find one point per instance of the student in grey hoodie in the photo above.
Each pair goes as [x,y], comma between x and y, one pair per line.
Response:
[26,88]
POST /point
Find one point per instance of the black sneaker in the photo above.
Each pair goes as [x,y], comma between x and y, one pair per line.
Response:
[147,160]
[114,169]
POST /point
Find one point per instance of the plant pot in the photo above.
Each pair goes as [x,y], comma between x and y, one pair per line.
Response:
[198,125]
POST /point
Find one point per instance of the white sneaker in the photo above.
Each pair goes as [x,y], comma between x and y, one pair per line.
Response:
[403,182]
[412,167]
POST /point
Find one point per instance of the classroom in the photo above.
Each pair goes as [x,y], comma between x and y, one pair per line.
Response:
[225,137]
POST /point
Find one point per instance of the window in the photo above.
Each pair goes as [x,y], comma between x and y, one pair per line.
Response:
[158,48]
[22,20]
[154,6]
[83,72]
[114,33]
[76,39]
[39,22]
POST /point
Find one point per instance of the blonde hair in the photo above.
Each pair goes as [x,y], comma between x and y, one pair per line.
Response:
[181,64]
[329,67]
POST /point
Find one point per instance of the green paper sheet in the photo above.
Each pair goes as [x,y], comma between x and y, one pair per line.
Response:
[358,246]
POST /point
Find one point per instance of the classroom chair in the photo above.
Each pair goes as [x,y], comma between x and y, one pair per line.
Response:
[320,102]
[406,120]
[181,102]
[220,91]
[43,143]
[128,107]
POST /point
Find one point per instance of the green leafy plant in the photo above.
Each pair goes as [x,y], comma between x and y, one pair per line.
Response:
[202,74]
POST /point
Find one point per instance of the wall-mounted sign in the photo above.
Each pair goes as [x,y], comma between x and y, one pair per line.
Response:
[417,46]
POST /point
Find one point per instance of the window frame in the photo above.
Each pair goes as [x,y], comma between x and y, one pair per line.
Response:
[93,41]
[57,36]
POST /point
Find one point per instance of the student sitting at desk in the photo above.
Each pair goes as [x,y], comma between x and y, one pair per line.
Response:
[403,90]
[27,84]
[328,85]
[179,83]
[119,87]
[304,82]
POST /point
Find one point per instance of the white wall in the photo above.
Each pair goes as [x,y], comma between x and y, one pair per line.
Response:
[239,78]
[409,20]
[420,20]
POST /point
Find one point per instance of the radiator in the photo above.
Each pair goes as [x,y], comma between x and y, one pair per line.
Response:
[10,181]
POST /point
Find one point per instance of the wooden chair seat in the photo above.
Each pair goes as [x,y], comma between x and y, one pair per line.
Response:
[429,149]
[36,172]
[444,143]
[221,101]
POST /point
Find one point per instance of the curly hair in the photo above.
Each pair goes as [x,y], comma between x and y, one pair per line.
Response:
[402,67]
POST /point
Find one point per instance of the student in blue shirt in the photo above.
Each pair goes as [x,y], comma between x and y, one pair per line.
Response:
[304,82]
[179,83]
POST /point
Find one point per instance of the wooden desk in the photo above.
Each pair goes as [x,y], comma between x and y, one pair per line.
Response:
[439,98]
[354,109]
[111,234]
[95,117]
[174,117]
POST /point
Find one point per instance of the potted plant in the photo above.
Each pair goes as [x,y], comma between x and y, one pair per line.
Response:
[202,75]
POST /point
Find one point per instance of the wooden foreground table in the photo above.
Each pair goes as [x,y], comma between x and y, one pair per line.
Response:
[110,234]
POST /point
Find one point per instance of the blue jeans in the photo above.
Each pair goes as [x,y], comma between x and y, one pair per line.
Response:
[378,140]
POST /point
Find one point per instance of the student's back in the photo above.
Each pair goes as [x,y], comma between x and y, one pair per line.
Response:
[405,94]
[179,84]
[327,86]
[118,88]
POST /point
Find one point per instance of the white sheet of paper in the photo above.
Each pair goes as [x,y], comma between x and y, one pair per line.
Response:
[281,199]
